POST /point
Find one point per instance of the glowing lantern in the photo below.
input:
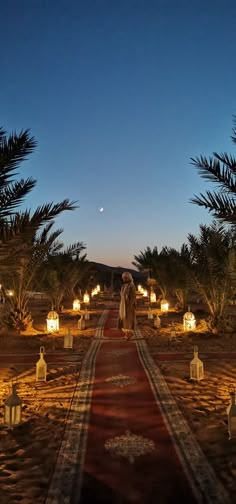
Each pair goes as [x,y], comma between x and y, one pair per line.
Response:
[98,288]
[196,367]
[145,293]
[153,297]
[150,314]
[41,367]
[94,292]
[81,323]
[76,305]
[12,408]
[52,321]
[68,340]
[140,289]
[189,321]
[157,321]
[164,305]
[86,298]
[231,412]
[86,314]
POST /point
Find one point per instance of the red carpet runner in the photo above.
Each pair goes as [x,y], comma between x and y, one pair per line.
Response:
[125,439]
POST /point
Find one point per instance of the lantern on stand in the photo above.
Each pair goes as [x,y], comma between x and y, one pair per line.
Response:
[86,314]
[76,305]
[68,340]
[189,321]
[52,321]
[13,408]
[157,321]
[86,298]
[164,306]
[153,297]
[81,323]
[150,313]
[231,412]
[196,367]
[41,366]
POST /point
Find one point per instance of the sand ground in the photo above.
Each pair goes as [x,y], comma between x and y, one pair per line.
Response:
[28,452]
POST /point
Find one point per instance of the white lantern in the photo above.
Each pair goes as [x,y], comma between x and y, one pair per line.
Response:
[157,322]
[150,314]
[172,332]
[164,305]
[98,288]
[86,314]
[12,408]
[231,412]
[140,289]
[81,323]
[68,340]
[86,298]
[196,367]
[41,367]
[145,293]
[76,305]
[189,321]
[52,321]
[153,297]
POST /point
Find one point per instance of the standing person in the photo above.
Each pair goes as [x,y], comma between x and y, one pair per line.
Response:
[127,310]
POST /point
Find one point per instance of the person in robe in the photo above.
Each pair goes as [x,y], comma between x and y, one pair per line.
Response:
[127,308]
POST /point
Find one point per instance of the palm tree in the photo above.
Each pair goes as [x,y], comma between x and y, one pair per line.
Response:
[220,169]
[213,269]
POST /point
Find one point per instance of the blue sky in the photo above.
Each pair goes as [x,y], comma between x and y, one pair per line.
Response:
[120,95]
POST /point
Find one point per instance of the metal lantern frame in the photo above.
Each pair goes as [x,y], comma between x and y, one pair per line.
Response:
[68,340]
[189,321]
[196,366]
[41,366]
[52,321]
[76,304]
[164,305]
[13,408]
[86,298]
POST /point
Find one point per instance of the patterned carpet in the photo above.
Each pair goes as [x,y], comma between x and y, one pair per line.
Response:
[126,440]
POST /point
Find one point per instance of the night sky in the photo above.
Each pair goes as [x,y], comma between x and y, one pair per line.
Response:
[120,95]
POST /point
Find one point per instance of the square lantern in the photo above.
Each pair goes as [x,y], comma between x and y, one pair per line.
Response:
[196,367]
[189,321]
[157,322]
[76,305]
[13,408]
[231,412]
[164,305]
[86,314]
[68,340]
[81,323]
[41,367]
[52,321]
[150,314]
[86,298]
[153,297]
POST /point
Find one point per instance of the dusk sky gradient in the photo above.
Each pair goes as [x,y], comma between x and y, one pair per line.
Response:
[119,96]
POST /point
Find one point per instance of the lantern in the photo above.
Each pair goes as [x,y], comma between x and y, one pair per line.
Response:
[86,298]
[12,408]
[172,332]
[81,323]
[153,297]
[145,293]
[98,288]
[68,340]
[231,412]
[189,321]
[150,314]
[41,367]
[76,305]
[52,321]
[140,289]
[196,367]
[164,305]
[157,322]
[86,314]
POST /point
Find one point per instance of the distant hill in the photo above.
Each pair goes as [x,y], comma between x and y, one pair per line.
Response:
[111,276]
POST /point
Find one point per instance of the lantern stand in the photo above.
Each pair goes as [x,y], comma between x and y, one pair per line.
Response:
[68,340]
[81,323]
[196,367]
[41,366]
[157,321]
[13,408]
[231,412]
